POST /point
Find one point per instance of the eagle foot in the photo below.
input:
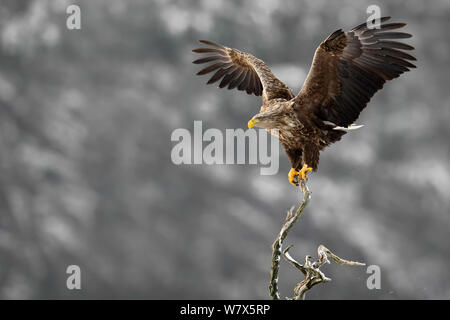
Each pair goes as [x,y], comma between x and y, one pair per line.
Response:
[302,174]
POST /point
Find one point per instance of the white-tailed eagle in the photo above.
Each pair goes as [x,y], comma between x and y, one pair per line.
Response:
[347,69]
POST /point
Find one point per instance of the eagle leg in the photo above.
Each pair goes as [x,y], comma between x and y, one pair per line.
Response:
[295,175]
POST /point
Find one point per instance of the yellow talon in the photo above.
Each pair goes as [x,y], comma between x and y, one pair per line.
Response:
[303,174]
[293,176]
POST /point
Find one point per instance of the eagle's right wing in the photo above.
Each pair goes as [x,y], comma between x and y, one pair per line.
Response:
[240,70]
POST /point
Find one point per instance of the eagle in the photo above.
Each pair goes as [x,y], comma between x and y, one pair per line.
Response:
[346,71]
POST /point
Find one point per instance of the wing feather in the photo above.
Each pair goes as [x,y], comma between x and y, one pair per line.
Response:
[229,77]
[213,67]
[238,79]
[240,70]
[209,59]
[245,81]
[350,67]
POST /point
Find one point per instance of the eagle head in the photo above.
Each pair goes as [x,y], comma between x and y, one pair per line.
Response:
[274,118]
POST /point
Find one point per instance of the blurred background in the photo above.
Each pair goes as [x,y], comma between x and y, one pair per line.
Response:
[86,176]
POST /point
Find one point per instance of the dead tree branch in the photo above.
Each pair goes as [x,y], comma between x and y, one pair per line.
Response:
[310,269]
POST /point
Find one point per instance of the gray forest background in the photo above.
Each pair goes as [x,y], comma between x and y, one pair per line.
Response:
[86,176]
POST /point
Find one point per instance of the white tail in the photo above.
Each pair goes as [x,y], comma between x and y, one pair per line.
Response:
[350,127]
[336,127]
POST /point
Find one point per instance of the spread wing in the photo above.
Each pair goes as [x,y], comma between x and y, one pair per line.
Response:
[349,67]
[240,70]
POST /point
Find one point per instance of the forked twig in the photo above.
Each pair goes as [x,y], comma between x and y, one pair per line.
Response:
[311,270]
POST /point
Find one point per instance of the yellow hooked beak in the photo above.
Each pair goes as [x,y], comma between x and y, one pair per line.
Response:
[252,123]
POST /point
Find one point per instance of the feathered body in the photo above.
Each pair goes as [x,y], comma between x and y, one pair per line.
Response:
[347,69]
[302,134]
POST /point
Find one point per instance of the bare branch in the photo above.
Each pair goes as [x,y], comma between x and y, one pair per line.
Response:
[311,270]
[290,220]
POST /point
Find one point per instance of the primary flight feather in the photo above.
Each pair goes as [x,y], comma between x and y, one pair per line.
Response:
[347,69]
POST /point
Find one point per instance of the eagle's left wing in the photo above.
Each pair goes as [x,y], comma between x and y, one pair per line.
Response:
[349,67]
[240,70]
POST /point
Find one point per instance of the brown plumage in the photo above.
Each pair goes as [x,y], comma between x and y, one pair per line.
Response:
[347,69]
